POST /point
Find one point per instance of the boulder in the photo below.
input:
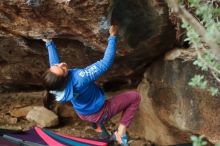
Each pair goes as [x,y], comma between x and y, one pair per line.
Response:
[171,111]
[80,30]
[43,117]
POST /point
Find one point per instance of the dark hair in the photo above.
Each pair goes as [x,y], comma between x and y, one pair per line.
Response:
[52,81]
[48,100]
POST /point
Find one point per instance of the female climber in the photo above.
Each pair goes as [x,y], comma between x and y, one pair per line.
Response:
[88,99]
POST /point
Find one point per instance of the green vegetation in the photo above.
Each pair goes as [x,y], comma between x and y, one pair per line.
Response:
[201,21]
[198,140]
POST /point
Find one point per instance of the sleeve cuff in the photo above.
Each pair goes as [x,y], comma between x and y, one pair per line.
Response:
[113,38]
[49,43]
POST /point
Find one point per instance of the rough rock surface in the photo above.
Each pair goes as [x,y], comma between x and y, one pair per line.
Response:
[43,117]
[171,111]
[21,112]
[81,30]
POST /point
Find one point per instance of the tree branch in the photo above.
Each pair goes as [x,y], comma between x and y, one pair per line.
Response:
[182,13]
[215,76]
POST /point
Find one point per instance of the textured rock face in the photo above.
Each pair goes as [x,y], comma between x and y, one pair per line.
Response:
[81,30]
[43,117]
[171,110]
[20,65]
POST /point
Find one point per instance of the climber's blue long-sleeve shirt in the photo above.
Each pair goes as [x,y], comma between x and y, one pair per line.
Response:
[84,94]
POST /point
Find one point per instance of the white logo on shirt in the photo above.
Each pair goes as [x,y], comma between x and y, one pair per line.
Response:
[89,72]
[82,74]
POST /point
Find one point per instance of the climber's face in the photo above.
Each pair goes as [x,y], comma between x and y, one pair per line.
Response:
[60,69]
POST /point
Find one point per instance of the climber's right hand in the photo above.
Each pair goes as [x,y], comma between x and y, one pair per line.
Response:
[113,30]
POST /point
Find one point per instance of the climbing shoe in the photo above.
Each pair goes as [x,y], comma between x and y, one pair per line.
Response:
[122,140]
[101,130]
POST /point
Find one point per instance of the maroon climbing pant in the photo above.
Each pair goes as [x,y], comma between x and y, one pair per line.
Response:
[127,103]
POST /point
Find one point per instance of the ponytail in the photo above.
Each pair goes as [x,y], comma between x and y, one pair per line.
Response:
[48,100]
